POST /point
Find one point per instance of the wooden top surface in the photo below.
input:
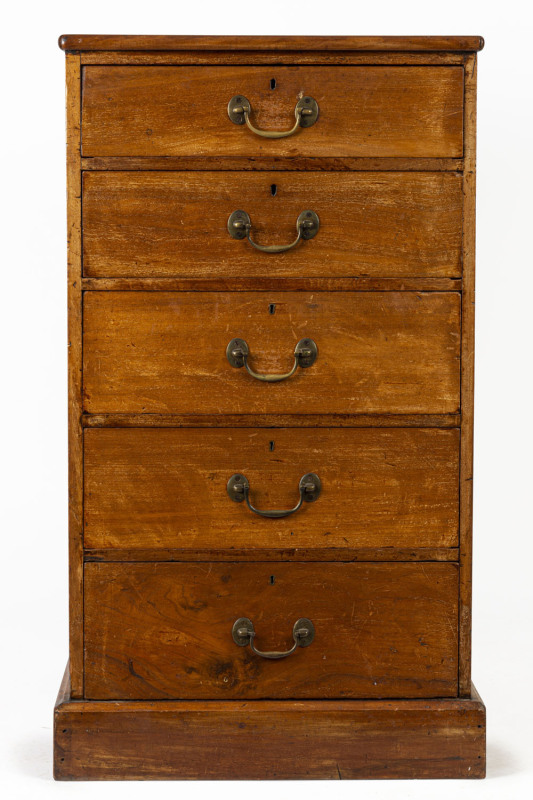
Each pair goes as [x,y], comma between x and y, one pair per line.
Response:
[86,42]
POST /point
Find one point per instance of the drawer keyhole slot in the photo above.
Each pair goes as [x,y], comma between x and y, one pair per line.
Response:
[272,83]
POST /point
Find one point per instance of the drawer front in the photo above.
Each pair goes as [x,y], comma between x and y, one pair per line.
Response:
[363,111]
[157,224]
[166,488]
[165,352]
[164,630]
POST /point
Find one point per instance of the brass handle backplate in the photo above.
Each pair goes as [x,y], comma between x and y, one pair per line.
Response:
[305,355]
[243,633]
[310,486]
[305,112]
[240,227]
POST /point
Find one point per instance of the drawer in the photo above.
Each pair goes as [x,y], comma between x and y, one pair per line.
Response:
[166,352]
[164,630]
[167,488]
[182,110]
[157,224]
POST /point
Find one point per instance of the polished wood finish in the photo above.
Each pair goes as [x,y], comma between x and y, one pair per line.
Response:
[75,432]
[88,42]
[259,553]
[296,284]
[467,382]
[265,162]
[151,488]
[271,420]
[154,224]
[218,739]
[262,57]
[366,111]
[163,631]
[388,290]
[164,352]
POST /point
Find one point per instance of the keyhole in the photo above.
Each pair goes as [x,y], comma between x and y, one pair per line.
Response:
[272,580]
[272,83]
[272,308]
[273,189]
[271,446]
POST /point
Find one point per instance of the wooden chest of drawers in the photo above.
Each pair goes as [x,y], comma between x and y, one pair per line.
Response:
[271,321]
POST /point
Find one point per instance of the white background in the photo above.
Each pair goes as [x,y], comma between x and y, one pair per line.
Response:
[33,507]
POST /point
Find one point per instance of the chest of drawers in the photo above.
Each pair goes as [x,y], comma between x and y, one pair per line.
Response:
[271,322]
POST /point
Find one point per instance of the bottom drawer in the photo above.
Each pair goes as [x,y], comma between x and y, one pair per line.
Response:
[164,630]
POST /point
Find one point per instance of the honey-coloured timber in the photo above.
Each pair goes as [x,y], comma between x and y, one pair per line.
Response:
[271,299]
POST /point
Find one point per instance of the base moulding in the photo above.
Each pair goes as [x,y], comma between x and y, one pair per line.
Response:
[268,739]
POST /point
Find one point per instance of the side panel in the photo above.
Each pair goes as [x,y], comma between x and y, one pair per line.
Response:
[467,381]
[75,432]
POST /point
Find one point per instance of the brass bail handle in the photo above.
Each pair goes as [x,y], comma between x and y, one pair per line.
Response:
[305,355]
[310,486]
[243,633]
[305,112]
[240,227]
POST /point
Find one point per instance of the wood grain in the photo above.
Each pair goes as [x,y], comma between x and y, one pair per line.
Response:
[157,224]
[359,284]
[163,631]
[330,740]
[382,562]
[277,43]
[364,111]
[165,352]
[259,57]
[265,162]
[271,420]
[259,553]
[467,384]
[75,432]
[153,488]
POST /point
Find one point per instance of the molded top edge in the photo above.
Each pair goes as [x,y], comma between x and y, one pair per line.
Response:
[88,42]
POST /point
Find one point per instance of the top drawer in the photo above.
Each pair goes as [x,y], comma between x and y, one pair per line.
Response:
[183,111]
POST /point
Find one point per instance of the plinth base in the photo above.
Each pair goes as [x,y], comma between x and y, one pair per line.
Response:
[267,739]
